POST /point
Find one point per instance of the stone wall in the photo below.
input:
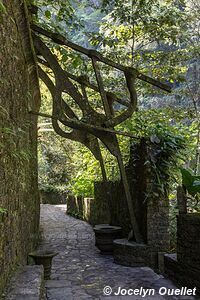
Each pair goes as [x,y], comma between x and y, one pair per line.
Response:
[152,212]
[112,205]
[88,209]
[75,206]
[184,267]
[19,198]
[52,197]
[107,207]
[151,208]
[150,205]
[188,240]
[158,238]
[182,275]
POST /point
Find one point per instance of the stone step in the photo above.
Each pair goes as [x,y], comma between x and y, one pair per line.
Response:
[27,284]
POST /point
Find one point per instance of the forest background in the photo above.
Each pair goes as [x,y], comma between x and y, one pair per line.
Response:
[161,38]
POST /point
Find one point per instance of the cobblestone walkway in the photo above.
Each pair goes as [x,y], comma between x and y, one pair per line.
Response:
[80,272]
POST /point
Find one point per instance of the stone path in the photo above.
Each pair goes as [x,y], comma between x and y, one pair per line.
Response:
[81,273]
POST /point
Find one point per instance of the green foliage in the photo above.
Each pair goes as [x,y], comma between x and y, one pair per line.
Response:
[87,171]
[2,8]
[166,145]
[54,163]
[161,39]
[146,34]
[190,182]
[3,210]
[57,15]
[167,139]
[75,214]
[168,135]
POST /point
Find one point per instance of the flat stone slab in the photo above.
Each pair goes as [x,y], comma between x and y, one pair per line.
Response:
[61,293]
[57,283]
[27,283]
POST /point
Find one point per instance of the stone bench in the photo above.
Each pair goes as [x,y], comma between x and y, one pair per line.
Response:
[27,283]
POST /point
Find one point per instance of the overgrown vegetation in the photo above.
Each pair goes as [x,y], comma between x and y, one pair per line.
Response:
[161,39]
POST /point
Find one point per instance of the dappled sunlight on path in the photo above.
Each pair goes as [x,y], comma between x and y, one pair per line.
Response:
[79,272]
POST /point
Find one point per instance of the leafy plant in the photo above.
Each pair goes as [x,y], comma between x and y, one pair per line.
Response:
[190,182]
[76,214]
[166,145]
[3,210]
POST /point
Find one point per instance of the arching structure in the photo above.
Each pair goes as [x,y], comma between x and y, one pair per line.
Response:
[93,126]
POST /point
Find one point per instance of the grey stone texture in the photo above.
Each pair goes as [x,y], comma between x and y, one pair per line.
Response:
[181,274]
[131,254]
[27,283]
[184,267]
[151,207]
[188,240]
[79,271]
[19,92]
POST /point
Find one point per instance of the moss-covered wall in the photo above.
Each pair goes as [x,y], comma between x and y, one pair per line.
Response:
[19,91]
